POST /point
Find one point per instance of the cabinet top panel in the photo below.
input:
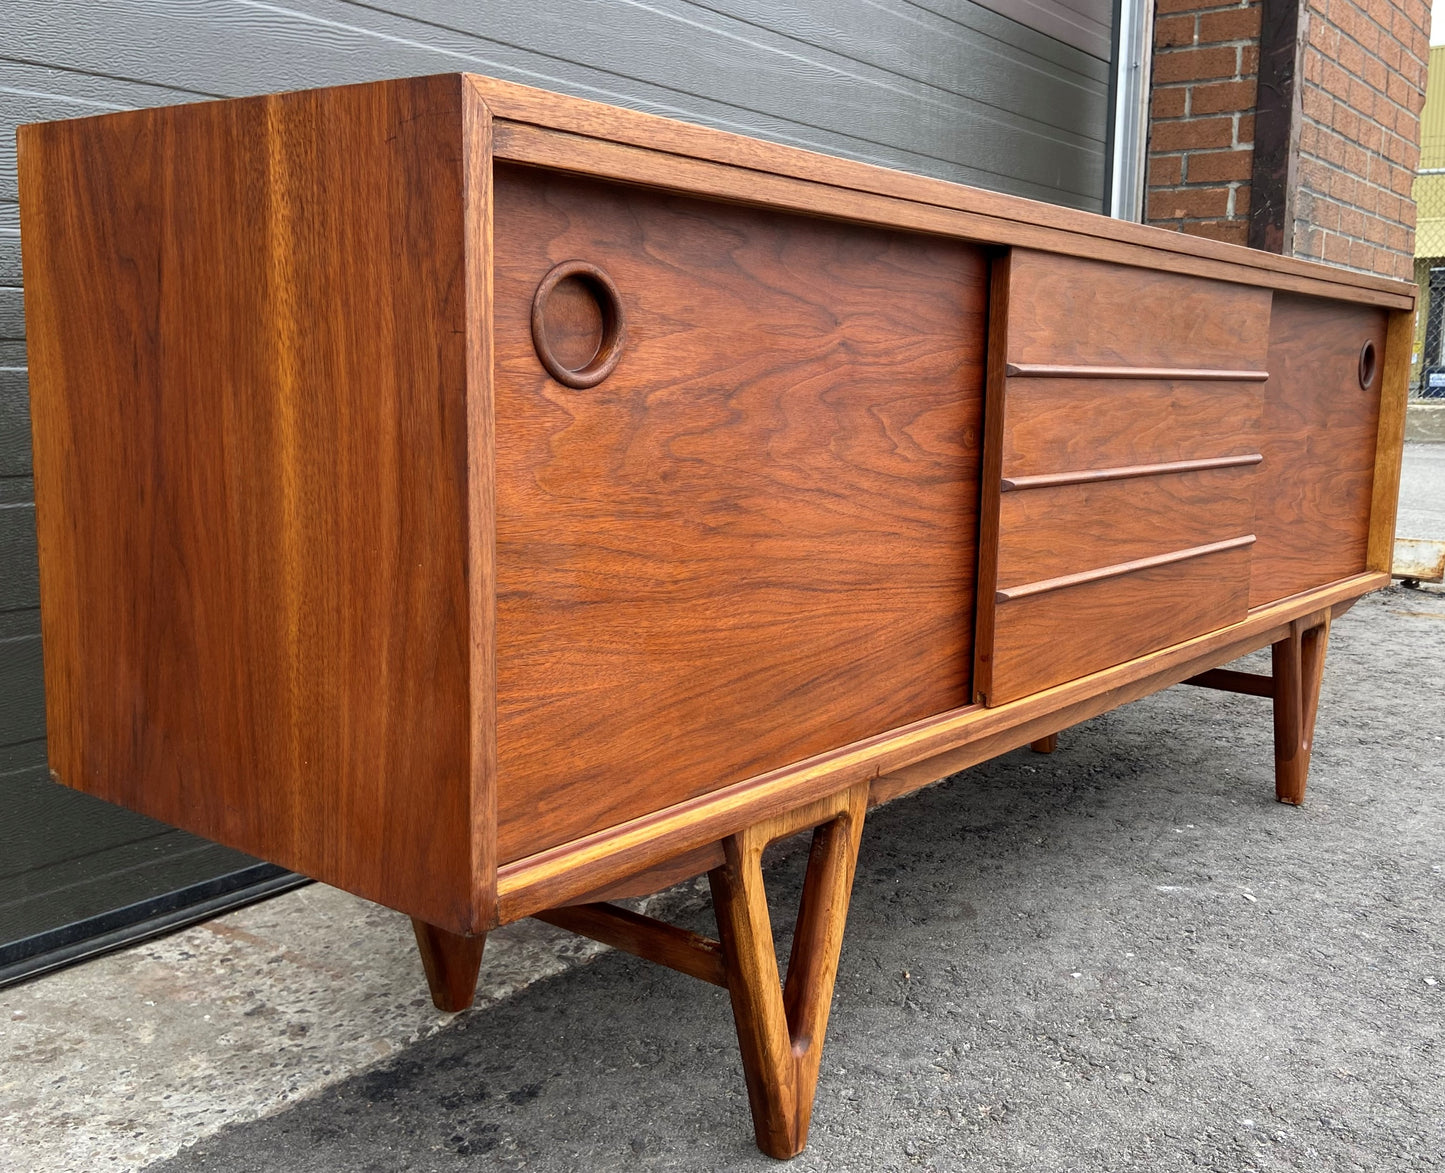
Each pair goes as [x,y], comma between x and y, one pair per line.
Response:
[540,128]
[544,128]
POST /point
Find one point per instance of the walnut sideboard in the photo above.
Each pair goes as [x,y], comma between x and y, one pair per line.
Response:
[497,504]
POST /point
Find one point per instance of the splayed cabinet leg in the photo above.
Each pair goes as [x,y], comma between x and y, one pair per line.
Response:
[781,1027]
[1298,665]
[452,963]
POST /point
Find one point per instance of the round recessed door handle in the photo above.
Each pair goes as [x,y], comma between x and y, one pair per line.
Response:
[1368,364]
[578,324]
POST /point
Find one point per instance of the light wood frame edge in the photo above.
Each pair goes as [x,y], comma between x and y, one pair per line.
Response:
[1390,440]
[481,501]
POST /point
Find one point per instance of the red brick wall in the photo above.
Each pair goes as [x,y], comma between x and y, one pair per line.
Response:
[1362,86]
[1201,135]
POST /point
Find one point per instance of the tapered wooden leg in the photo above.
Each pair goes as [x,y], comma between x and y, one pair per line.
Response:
[1298,664]
[451,962]
[781,1028]
[1045,744]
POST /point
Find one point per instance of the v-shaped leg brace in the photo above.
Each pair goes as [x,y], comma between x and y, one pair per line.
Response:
[781,1027]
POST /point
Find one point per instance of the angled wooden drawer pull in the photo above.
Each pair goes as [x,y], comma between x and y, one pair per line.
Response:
[1044,586]
[1181,374]
[1087,476]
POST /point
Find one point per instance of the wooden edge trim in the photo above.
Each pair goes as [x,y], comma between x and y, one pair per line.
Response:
[545,880]
[662,874]
[1049,480]
[1044,585]
[1390,440]
[693,173]
[1228,680]
[995,402]
[1037,370]
[528,106]
[643,936]
[923,773]
[481,532]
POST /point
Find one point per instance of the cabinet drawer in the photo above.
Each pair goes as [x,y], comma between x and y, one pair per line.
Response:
[1061,631]
[1054,425]
[1122,454]
[1066,311]
[1050,530]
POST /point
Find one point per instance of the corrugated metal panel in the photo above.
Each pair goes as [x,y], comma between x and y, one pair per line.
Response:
[1085,24]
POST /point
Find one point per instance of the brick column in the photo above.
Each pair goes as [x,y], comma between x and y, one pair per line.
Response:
[1359,145]
[1351,131]
[1201,135]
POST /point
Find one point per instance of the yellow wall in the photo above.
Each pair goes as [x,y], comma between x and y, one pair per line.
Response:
[1430,189]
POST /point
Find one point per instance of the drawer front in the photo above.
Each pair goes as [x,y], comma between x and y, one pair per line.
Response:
[754,540]
[1055,531]
[1056,425]
[1069,311]
[1124,412]
[1053,636]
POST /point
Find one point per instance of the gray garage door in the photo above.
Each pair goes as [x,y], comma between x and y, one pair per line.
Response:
[1012,95]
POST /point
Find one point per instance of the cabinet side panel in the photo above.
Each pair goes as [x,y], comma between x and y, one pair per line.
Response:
[248,335]
[1318,439]
[753,541]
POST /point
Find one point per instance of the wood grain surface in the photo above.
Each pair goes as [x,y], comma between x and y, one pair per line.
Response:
[248,332]
[898,761]
[1059,424]
[1318,436]
[643,936]
[945,209]
[1298,664]
[1390,439]
[1112,486]
[755,539]
[1045,639]
[1068,310]
[451,963]
[991,489]
[781,1024]
[1133,567]
[1045,533]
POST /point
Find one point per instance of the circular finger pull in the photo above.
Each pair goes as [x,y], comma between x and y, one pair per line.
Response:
[1367,365]
[578,326]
